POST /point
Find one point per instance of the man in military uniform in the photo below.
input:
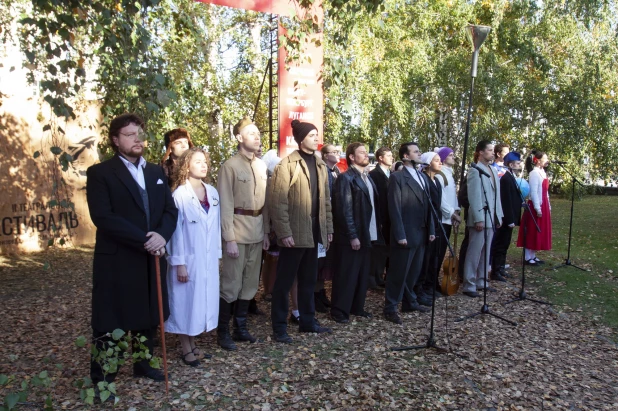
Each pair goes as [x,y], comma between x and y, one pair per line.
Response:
[242,189]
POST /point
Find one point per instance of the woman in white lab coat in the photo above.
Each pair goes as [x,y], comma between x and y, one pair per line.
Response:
[194,252]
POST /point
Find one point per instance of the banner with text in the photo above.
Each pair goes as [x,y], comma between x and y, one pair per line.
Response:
[300,84]
[301,96]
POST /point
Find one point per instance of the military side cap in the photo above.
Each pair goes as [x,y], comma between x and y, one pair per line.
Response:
[242,124]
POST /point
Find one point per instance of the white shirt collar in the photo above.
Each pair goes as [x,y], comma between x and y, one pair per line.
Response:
[142,162]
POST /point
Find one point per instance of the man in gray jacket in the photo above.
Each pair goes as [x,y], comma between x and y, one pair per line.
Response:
[483,181]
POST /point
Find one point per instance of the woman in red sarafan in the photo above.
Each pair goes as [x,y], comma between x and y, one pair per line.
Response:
[540,207]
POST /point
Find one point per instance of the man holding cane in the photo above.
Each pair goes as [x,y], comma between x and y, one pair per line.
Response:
[132,207]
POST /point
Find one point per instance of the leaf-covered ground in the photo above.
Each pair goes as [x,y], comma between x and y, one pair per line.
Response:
[554,358]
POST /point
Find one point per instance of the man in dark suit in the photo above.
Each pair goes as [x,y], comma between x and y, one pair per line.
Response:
[356,217]
[511,207]
[379,253]
[131,205]
[411,228]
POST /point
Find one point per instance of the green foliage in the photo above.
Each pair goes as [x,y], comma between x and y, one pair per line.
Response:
[547,77]
[110,356]
[161,59]
[394,70]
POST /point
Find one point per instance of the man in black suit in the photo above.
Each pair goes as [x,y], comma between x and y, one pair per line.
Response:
[131,205]
[356,217]
[511,207]
[411,227]
[379,253]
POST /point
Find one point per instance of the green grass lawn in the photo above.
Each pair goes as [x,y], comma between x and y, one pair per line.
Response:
[594,247]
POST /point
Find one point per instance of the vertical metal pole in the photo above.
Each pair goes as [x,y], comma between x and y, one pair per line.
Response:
[270,87]
[465,151]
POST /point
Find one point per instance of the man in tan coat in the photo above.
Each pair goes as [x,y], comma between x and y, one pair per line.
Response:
[242,189]
[301,217]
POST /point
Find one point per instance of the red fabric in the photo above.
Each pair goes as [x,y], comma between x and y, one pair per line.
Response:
[534,240]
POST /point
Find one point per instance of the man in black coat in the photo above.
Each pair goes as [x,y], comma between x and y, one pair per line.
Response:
[131,205]
[511,207]
[411,227]
[379,253]
[356,219]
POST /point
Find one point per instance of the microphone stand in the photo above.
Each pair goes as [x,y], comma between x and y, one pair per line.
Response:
[431,342]
[485,307]
[567,262]
[522,293]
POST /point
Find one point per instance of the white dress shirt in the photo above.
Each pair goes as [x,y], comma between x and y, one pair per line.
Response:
[386,170]
[136,172]
[415,176]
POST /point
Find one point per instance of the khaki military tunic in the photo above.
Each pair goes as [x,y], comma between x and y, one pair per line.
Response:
[242,187]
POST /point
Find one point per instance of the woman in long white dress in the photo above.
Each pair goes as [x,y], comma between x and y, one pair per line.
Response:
[194,253]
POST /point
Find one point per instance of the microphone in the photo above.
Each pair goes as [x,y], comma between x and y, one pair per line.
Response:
[480,170]
[558,162]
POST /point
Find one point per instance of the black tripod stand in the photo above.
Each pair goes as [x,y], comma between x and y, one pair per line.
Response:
[522,292]
[485,307]
[431,341]
[567,262]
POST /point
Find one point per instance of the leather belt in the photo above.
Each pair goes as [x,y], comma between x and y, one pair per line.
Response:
[253,213]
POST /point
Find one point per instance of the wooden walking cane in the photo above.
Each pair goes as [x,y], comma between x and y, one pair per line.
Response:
[161,322]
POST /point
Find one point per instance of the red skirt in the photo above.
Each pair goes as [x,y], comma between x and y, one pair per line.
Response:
[534,240]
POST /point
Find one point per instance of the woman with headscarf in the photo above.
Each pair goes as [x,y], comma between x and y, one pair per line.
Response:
[432,165]
[540,207]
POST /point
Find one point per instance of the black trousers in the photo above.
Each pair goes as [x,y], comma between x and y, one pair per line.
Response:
[438,251]
[300,264]
[501,243]
[428,272]
[379,257]
[405,268]
[99,339]
[350,281]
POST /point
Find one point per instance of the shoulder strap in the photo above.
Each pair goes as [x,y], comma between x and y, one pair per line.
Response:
[296,173]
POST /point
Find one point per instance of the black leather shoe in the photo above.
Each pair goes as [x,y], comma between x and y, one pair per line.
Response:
[338,319]
[365,314]
[149,373]
[504,274]
[294,319]
[318,329]
[224,339]
[393,317]
[423,301]
[539,261]
[471,294]
[201,354]
[497,277]
[193,363]
[283,338]
[415,307]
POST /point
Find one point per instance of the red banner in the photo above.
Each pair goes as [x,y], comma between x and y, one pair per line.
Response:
[281,7]
[300,84]
[300,94]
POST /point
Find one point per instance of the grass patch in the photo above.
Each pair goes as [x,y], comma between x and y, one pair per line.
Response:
[594,246]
